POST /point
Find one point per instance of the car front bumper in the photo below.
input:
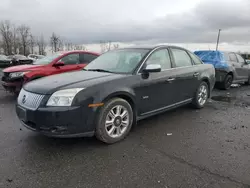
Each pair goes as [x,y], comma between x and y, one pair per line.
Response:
[58,121]
[12,86]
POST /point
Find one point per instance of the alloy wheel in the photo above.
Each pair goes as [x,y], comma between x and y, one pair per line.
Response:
[202,95]
[117,121]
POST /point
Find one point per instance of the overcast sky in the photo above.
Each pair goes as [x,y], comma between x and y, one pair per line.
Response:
[85,21]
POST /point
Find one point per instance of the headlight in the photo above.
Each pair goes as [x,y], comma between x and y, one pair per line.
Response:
[17,74]
[63,97]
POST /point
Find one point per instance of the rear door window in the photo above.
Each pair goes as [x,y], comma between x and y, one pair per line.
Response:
[226,56]
[71,59]
[240,59]
[181,58]
[233,57]
[87,58]
[160,57]
[195,59]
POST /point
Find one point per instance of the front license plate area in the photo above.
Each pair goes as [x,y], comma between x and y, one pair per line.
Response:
[22,114]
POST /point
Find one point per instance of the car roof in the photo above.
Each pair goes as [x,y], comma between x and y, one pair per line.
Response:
[151,47]
[219,51]
[77,51]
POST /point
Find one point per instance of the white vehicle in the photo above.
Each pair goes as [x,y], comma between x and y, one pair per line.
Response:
[34,57]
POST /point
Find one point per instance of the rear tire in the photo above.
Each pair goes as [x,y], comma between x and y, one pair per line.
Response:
[201,96]
[114,121]
[227,82]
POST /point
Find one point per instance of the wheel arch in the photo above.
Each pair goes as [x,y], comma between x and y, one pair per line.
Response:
[123,95]
[205,79]
[231,73]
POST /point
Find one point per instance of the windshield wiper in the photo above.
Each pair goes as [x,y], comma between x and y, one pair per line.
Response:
[98,70]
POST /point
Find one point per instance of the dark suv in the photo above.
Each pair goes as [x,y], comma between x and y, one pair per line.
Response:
[230,67]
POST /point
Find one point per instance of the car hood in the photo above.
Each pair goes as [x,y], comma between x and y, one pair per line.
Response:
[76,79]
[21,68]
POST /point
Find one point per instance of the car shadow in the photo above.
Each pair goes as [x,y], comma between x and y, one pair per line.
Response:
[36,140]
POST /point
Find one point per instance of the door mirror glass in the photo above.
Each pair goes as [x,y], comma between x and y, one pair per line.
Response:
[152,68]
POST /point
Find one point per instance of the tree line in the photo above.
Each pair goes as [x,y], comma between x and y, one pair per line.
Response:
[18,39]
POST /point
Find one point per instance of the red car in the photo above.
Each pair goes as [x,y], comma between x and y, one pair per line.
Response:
[14,77]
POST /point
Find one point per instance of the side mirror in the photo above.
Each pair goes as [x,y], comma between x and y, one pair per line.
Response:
[59,64]
[152,68]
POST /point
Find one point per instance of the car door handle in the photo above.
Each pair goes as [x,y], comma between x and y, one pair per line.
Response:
[170,79]
[196,74]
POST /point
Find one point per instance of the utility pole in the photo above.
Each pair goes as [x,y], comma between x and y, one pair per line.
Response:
[218,39]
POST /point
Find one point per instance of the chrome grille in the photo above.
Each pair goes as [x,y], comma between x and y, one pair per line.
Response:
[29,100]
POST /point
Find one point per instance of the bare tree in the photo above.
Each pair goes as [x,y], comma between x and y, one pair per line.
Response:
[69,46]
[105,46]
[84,48]
[55,42]
[24,32]
[79,47]
[6,34]
[32,43]
[60,45]
[16,40]
[1,47]
[41,45]
[116,46]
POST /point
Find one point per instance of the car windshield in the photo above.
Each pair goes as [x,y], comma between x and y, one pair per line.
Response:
[47,59]
[118,61]
[207,56]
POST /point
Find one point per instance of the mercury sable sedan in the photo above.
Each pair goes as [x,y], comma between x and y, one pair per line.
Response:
[114,91]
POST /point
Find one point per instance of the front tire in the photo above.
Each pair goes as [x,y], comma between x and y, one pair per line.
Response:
[114,121]
[201,95]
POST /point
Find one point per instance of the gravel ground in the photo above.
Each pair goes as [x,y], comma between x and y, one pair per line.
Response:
[206,148]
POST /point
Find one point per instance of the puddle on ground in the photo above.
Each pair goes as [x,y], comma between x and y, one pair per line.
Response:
[223,98]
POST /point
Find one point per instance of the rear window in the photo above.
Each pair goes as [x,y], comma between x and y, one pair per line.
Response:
[209,55]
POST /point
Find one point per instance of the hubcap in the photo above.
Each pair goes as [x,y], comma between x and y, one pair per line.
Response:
[117,121]
[202,95]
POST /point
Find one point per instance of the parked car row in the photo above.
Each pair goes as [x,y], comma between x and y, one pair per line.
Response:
[82,93]
[4,61]
[16,76]
[13,60]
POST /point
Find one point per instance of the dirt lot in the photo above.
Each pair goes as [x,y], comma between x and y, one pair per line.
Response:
[206,148]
